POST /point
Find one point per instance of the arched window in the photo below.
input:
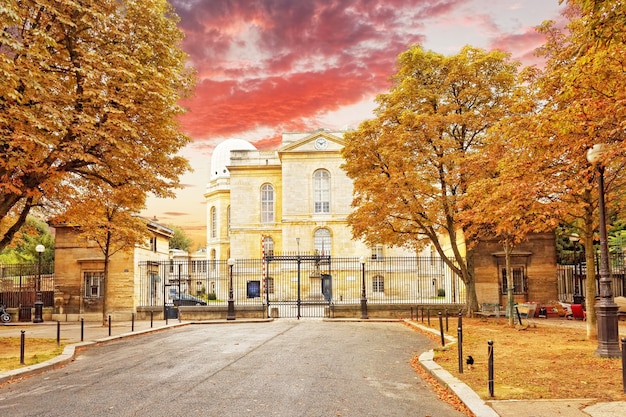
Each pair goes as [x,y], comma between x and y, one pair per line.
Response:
[267,204]
[213,222]
[268,246]
[321,191]
[322,242]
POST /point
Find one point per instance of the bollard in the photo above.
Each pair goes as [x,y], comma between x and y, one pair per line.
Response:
[132,322]
[459,335]
[82,329]
[58,333]
[428,311]
[109,325]
[446,310]
[22,342]
[422,314]
[624,363]
[411,313]
[151,318]
[490,375]
[443,340]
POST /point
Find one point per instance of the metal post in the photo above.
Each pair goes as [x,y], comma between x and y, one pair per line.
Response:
[82,329]
[151,318]
[624,363]
[39,303]
[606,309]
[132,322]
[231,302]
[443,340]
[459,335]
[58,332]
[109,325]
[363,295]
[490,364]
[299,301]
[22,343]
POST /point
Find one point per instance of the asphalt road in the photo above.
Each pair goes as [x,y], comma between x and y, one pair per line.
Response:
[281,368]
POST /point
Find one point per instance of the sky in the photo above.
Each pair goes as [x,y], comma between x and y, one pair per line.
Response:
[265,67]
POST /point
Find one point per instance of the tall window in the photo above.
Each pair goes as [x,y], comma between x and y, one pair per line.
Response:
[322,242]
[267,204]
[268,246]
[94,282]
[321,191]
[520,284]
[213,222]
[378,284]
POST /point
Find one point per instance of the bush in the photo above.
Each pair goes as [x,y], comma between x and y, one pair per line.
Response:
[441,292]
[212,296]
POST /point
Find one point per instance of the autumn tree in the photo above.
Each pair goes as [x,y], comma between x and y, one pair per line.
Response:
[410,165]
[108,217]
[89,93]
[582,90]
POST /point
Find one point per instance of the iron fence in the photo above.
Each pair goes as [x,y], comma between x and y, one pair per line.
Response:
[302,278]
[572,277]
[18,284]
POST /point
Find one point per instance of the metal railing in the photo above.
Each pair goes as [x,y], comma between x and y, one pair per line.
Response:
[18,284]
[572,277]
[286,278]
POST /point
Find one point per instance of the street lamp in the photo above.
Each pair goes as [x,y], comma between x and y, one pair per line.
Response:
[363,297]
[606,309]
[578,297]
[39,303]
[231,302]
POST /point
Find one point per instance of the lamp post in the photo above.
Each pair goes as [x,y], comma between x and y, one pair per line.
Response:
[577,298]
[606,309]
[39,303]
[363,297]
[231,302]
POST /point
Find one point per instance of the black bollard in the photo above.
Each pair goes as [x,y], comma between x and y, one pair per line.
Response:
[624,363]
[411,313]
[459,335]
[58,333]
[428,312]
[82,329]
[422,314]
[151,318]
[490,360]
[22,342]
[132,323]
[109,325]
[446,310]
[443,340]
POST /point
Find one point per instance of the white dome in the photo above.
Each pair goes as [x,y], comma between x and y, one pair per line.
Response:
[221,156]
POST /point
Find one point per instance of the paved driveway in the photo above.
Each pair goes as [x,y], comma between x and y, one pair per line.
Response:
[280,368]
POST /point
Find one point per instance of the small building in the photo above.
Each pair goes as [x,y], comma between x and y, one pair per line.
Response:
[79,273]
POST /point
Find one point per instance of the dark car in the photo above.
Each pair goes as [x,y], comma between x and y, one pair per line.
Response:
[188,300]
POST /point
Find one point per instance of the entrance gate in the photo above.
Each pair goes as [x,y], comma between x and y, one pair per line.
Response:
[297,285]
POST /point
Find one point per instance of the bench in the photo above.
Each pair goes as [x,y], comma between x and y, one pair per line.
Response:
[489,310]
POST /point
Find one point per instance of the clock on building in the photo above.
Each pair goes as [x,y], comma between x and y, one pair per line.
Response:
[321,143]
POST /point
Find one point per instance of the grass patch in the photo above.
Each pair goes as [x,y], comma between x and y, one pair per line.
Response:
[549,361]
[35,351]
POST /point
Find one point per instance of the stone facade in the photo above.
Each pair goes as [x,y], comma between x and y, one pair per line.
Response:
[79,274]
[534,269]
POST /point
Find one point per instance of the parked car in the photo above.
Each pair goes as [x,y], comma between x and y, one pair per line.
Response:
[188,300]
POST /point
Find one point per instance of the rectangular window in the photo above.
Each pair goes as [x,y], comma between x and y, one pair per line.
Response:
[520,283]
[94,282]
[267,204]
[378,284]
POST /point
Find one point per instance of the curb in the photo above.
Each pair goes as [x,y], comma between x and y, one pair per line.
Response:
[467,396]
